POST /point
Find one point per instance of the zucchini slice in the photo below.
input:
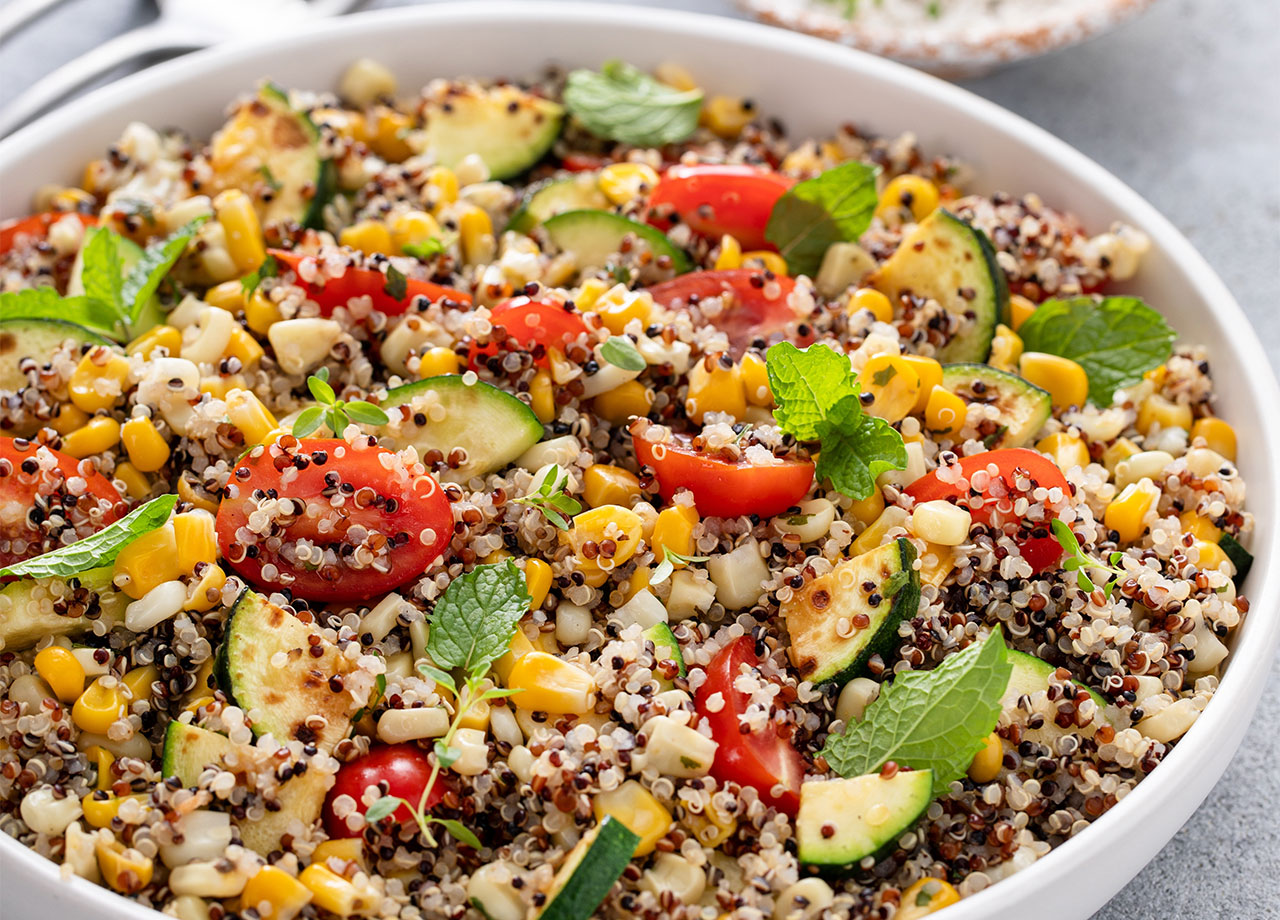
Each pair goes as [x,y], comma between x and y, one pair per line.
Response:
[579,192]
[952,262]
[666,646]
[843,821]
[825,643]
[282,694]
[596,237]
[1023,406]
[39,339]
[26,617]
[491,425]
[508,128]
[590,870]
[1240,557]
[1030,676]
[273,151]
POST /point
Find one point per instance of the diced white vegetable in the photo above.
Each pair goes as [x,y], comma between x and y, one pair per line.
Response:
[560,451]
[739,576]
[205,880]
[163,601]
[78,852]
[573,624]
[302,344]
[941,522]
[844,264]
[690,595]
[674,749]
[1170,723]
[1147,464]
[503,724]
[475,753]
[643,608]
[803,900]
[1204,462]
[205,834]
[656,351]
[1210,651]
[32,690]
[382,618]
[412,335]
[677,875]
[608,377]
[915,468]
[490,887]
[365,82]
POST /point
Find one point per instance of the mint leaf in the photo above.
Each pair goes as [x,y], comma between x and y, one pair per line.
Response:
[157,259]
[621,352]
[460,831]
[856,448]
[933,720]
[102,267]
[474,620]
[98,549]
[835,207]
[44,303]
[806,384]
[621,103]
[1116,340]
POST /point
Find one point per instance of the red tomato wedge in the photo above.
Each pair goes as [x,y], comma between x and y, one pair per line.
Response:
[990,493]
[715,200]
[724,488]
[403,767]
[358,282]
[755,305]
[342,525]
[36,226]
[534,326]
[75,500]
[761,760]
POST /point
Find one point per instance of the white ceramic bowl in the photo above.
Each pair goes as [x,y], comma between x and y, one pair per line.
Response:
[813,85]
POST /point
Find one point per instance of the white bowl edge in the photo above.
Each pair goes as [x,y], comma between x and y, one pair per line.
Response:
[514,39]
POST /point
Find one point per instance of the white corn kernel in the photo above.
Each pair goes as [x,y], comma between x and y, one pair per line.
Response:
[301,345]
[1170,723]
[854,699]
[503,724]
[47,814]
[573,624]
[560,451]
[383,618]
[673,873]
[163,601]
[205,834]
[183,212]
[90,663]
[32,690]
[520,760]
[205,880]
[608,377]
[810,523]
[398,725]
[474,759]
[1203,462]
[803,900]
[941,522]
[915,468]
[1147,464]
[205,342]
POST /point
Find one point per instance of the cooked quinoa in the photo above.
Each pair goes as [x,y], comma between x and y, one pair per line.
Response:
[389,264]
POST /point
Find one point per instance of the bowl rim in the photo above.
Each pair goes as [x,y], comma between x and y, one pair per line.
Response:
[1223,722]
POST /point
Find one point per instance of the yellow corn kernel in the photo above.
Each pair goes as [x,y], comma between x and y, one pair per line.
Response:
[1126,512]
[248,414]
[604,484]
[944,561]
[930,373]
[605,537]
[1157,376]
[986,763]
[619,306]
[435,362]
[624,182]
[229,296]
[445,183]
[98,435]
[872,300]
[62,671]
[125,870]
[411,227]
[675,76]
[927,896]
[99,706]
[1212,556]
[945,412]
[277,895]
[387,137]
[1218,436]
[726,116]
[1158,411]
[1199,527]
[147,448]
[537,578]
[542,397]
[1020,308]
[369,236]
[618,405]
[894,384]
[874,535]
[674,531]
[72,199]
[1066,450]
[149,560]
[519,647]
[218,387]
[261,313]
[100,811]
[187,492]
[102,759]
[347,849]
[640,579]
[1064,379]
[635,806]
[765,259]
[730,254]
[135,483]
[589,292]
[755,380]
[98,380]
[867,510]
[475,229]
[234,211]
[332,892]
[165,337]
[912,193]
[243,346]
[68,419]
[550,684]
[197,542]
[1006,349]
[1118,452]
[715,389]
[138,681]
[712,826]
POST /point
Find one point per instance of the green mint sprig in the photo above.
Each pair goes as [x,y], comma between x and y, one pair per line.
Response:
[621,103]
[1078,561]
[621,352]
[834,207]
[556,505]
[333,412]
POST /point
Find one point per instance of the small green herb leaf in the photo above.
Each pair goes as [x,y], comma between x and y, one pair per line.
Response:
[835,207]
[460,832]
[447,756]
[427,249]
[365,413]
[383,807]
[98,549]
[272,182]
[556,505]
[269,268]
[44,303]
[439,676]
[321,390]
[157,259]
[623,104]
[933,720]
[475,618]
[621,352]
[308,421]
[1116,340]
[397,285]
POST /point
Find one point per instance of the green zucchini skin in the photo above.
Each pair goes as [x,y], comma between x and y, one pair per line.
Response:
[1023,406]
[594,236]
[590,870]
[833,829]
[36,338]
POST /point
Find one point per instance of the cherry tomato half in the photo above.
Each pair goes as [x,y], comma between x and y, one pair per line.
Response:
[531,325]
[761,760]
[25,475]
[1042,550]
[756,305]
[405,769]
[383,533]
[724,488]
[358,282]
[714,200]
[36,226]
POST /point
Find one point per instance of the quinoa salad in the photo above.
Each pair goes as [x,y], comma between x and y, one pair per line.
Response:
[580,498]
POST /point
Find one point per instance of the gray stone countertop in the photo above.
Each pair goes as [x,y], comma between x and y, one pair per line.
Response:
[1177,105]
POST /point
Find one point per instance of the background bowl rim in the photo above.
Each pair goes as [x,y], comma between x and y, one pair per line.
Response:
[1242,685]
